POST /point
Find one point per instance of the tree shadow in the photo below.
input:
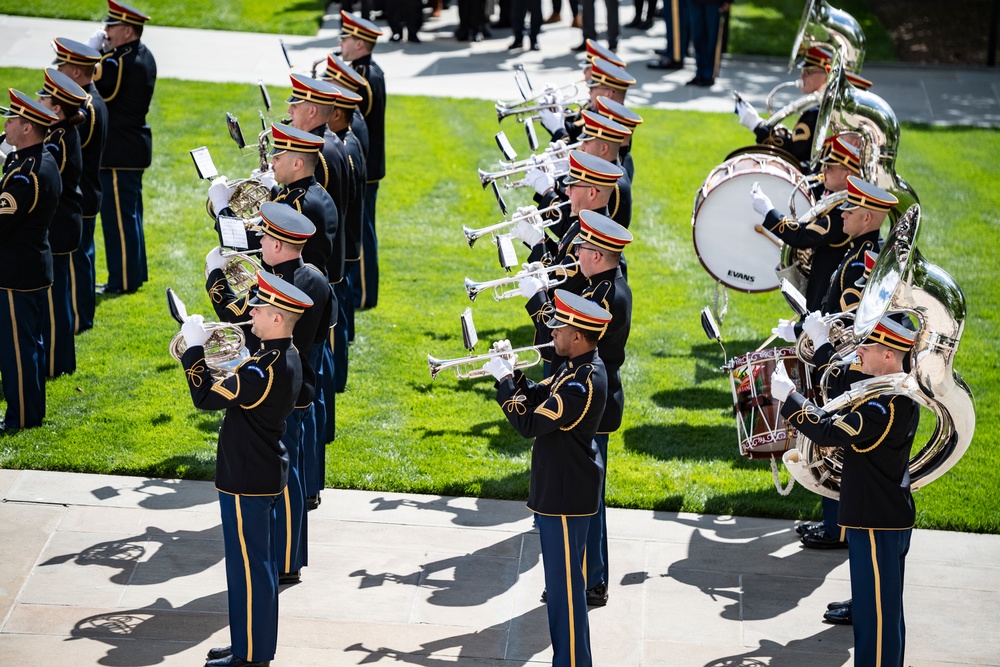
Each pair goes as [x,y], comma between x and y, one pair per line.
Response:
[501,438]
[694,398]
[683,441]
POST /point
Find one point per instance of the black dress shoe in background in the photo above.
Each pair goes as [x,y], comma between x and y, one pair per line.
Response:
[839,616]
[396,37]
[703,83]
[286,578]
[664,63]
[413,39]
[597,596]
[477,37]
[516,45]
[839,605]
[221,652]
[821,539]
[545,597]
[312,502]
[582,47]
[534,45]
[804,528]
[233,661]
[694,82]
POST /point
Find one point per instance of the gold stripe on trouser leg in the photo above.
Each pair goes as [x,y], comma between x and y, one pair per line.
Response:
[287,500]
[843,534]
[333,339]
[246,570]
[72,291]
[675,25]
[52,333]
[121,229]
[17,356]
[364,290]
[569,592]
[718,46]
[878,599]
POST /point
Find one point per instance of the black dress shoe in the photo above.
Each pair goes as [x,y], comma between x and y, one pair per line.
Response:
[233,661]
[597,596]
[545,597]
[664,63]
[646,25]
[582,47]
[413,39]
[478,37]
[662,52]
[634,23]
[516,44]
[534,46]
[804,528]
[613,46]
[221,652]
[286,578]
[693,82]
[396,38]
[821,539]
[312,502]
[839,605]
[839,616]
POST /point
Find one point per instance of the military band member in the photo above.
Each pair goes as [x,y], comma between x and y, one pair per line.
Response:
[63,97]
[876,506]
[816,66]
[825,234]
[126,82]
[283,233]
[562,413]
[602,137]
[606,80]
[357,41]
[620,113]
[593,50]
[29,193]
[251,468]
[341,74]
[78,61]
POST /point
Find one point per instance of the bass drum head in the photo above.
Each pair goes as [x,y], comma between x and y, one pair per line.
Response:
[724,222]
[761,149]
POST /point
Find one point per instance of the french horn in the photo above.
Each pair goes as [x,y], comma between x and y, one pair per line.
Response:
[240,270]
[225,348]
[902,280]
[250,193]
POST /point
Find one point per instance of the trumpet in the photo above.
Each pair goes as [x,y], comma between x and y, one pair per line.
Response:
[566,93]
[224,350]
[531,111]
[473,235]
[555,162]
[463,373]
[499,286]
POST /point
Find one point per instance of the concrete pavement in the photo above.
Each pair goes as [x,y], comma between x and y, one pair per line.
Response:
[441,66]
[125,571]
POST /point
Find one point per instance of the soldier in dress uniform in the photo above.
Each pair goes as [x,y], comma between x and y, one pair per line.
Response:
[78,61]
[283,233]
[620,113]
[357,40]
[606,80]
[29,193]
[602,137]
[344,109]
[593,50]
[876,506]
[816,65]
[341,74]
[562,413]
[63,97]
[251,468]
[599,247]
[825,234]
[126,82]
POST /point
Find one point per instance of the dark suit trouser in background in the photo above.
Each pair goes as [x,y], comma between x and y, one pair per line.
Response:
[590,20]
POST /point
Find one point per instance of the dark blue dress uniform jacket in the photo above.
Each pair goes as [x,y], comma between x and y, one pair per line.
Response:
[333,173]
[63,142]
[798,142]
[844,295]
[29,194]
[309,198]
[562,413]
[358,176]
[258,397]
[373,102]
[126,82]
[93,136]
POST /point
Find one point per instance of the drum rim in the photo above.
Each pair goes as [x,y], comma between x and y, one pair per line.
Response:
[773,151]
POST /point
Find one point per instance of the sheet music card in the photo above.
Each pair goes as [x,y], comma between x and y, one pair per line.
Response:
[233,233]
[203,163]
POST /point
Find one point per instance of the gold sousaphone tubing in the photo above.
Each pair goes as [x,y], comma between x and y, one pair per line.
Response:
[467,368]
[500,285]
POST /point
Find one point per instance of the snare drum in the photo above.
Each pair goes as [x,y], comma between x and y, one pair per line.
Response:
[724,221]
[760,427]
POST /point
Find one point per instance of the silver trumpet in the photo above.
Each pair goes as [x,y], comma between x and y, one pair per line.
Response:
[531,111]
[473,235]
[546,161]
[467,368]
[500,285]
[566,93]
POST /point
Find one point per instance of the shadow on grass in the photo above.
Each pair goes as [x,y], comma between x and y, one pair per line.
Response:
[500,437]
[668,442]
[694,398]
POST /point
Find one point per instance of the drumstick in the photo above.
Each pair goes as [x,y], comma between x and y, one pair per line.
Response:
[766,234]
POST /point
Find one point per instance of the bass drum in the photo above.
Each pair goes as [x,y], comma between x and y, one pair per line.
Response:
[724,224]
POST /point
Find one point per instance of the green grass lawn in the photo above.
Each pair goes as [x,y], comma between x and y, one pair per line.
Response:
[127,410]
[292,17]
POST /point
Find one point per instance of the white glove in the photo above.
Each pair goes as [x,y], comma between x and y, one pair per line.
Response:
[540,180]
[266,178]
[553,119]
[781,384]
[528,232]
[220,192]
[786,330]
[817,330]
[761,202]
[5,148]
[749,118]
[531,267]
[214,259]
[98,40]
[193,331]
[532,285]
[500,367]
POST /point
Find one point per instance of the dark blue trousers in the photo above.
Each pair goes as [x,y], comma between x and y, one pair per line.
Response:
[831,509]
[364,272]
[251,574]
[57,325]
[124,237]
[22,357]
[877,559]
[83,278]
[339,334]
[564,544]
[314,440]
[597,533]
[329,401]
[291,534]
[675,13]
[347,303]
[706,34]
